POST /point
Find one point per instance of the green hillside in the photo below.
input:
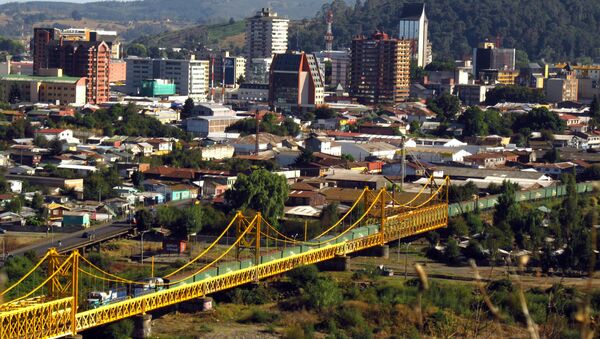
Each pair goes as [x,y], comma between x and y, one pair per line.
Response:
[550,29]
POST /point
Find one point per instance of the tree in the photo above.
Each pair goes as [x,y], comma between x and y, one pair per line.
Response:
[594,113]
[305,158]
[261,191]
[415,127]
[241,79]
[14,205]
[552,156]
[14,95]
[56,146]
[330,214]
[144,219]
[474,120]
[325,112]
[452,252]
[40,141]
[137,178]
[446,106]
[188,108]
[347,157]
[37,201]
[99,185]
[538,119]
[137,50]
[75,15]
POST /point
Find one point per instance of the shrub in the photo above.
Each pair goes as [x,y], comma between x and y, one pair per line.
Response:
[258,316]
[303,276]
[322,294]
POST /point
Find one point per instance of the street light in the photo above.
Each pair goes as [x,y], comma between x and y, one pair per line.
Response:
[406,261]
[142,241]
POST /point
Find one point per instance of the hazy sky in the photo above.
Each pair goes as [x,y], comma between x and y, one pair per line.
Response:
[5,1]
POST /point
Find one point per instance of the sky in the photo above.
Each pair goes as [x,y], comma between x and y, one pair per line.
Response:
[78,1]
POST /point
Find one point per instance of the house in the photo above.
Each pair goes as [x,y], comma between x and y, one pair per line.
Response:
[54,134]
[322,144]
[247,144]
[554,170]
[436,154]
[180,192]
[286,157]
[15,186]
[486,160]
[79,169]
[146,148]
[214,187]
[361,151]
[305,198]
[56,211]
[160,146]
[76,219]
[351,179]
[11,219]
[26,157]
[151,198]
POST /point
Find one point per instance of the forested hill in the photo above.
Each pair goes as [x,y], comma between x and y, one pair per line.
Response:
[201,11]
[550,29]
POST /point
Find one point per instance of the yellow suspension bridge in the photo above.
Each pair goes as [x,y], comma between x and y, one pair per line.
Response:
[57,305]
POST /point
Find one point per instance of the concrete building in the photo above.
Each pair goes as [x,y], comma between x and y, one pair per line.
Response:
[117,71]
[413,26]
[296,83]
[204,125]
[77,58]
[562,88]
[217,152]
[489,57]
[471,94]
[38,89]
[380,69]
[157,88]
[188,76]
[253,93]
[340,67]
[257,70]
[266,35]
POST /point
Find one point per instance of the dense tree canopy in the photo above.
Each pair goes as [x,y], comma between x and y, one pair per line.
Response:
[514,94]
[554,30]
[446,106]
[261,191]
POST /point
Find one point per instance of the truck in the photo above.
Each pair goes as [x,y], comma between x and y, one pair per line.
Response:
[149,285]
[101,298]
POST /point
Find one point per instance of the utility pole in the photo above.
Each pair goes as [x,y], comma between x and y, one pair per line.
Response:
[402,165]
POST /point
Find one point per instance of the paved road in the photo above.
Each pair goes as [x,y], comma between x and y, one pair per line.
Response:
[68,240]
[73,239]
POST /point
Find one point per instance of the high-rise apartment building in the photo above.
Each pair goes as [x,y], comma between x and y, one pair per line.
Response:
[188,76]
[266,35]
[77,55]
[296,83]
[414,27]
[380,69]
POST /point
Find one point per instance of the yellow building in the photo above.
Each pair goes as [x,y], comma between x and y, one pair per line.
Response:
[47,89]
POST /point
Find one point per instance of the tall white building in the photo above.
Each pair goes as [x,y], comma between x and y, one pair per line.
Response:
[189,76]
[414,26]
[266,35]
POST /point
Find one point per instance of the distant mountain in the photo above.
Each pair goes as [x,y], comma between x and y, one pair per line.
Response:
[200,11]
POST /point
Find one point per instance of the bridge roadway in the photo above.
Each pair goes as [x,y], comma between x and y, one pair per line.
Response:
[76,241]
[56,318]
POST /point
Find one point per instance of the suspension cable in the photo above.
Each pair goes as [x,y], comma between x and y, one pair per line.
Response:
[26,275]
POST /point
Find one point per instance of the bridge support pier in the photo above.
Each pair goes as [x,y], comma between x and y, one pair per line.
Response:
[142,326]
[382,251]
[337,264]
[201,304]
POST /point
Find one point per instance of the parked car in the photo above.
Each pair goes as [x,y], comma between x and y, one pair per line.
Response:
[89,235]
[2,231]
